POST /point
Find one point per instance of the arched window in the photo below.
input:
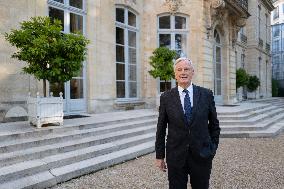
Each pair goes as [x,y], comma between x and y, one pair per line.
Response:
[217,65]
[126,53]
[172,33]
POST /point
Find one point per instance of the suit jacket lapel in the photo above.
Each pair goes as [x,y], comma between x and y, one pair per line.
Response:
[196,95]
[177,103]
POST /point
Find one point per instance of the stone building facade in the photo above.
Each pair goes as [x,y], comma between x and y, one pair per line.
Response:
[253,52]
[123,35]
[277,24]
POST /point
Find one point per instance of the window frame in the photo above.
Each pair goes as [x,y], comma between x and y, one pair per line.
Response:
[126,28]
[172,31]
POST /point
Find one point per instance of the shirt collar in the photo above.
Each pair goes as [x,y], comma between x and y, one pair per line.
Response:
[189,88]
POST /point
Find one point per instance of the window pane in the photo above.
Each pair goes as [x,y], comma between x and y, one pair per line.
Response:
[131,19]
[132,39]
[56,88]
[57,14]
[76,23]
[164,22]
[218,54]
[218,71]
[180,22]
[120,89]
[180,41]
[165,40]
[119,53]
[76,3]
[119,35]
[179,54]
[132,89]
[120,71]
[120,15]
[76,88]
[132,56]
[218,87]
[165,86]
[132,72]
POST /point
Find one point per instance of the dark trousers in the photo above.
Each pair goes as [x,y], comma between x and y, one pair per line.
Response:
[198,170]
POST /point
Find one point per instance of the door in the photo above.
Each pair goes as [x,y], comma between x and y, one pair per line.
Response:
[73,94]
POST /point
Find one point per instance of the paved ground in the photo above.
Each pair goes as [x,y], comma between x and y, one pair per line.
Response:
[239,164]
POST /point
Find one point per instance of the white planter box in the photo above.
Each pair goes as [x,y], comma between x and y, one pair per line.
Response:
[251,95]
[44,110]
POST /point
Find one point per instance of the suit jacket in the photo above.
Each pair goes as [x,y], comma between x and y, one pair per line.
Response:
[201,136]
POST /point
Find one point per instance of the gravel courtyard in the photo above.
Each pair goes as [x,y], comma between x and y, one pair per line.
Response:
[239,164]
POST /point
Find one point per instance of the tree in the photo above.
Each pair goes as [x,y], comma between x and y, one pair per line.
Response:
[241,77]
[253,83]
[162,63]
[50,54]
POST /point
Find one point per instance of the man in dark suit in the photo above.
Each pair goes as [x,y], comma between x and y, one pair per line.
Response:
[189,113]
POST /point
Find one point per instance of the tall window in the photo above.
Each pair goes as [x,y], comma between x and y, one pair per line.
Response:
[217,65]
[72,14]
[266,28]
[243,60]
[126,53]
[276,13]
[172,33]
[259,21]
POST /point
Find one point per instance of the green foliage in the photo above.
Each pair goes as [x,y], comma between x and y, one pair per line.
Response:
[253,83]
[50,54]
[241,77]
[162,63]
[275,88]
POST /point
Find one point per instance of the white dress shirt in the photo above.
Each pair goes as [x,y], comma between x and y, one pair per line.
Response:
[182,95]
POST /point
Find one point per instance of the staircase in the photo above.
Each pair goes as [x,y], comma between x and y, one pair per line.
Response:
[40,158]
[262,118]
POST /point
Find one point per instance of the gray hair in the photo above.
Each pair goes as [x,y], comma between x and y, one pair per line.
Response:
[187,60]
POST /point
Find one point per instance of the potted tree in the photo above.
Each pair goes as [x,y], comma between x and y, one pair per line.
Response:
[50,55]
[162,64]
[252,85]
[241,81]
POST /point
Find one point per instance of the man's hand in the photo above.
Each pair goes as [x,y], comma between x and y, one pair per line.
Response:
[160,163]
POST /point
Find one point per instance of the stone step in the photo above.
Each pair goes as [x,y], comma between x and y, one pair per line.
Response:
[63,147]
[49,178]
[54,138]
[272,131]
[15,171]
[263,125]
[248,114]
[245,107]
[12,131]
[253,120]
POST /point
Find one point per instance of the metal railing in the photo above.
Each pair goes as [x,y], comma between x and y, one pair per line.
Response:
[242,3]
